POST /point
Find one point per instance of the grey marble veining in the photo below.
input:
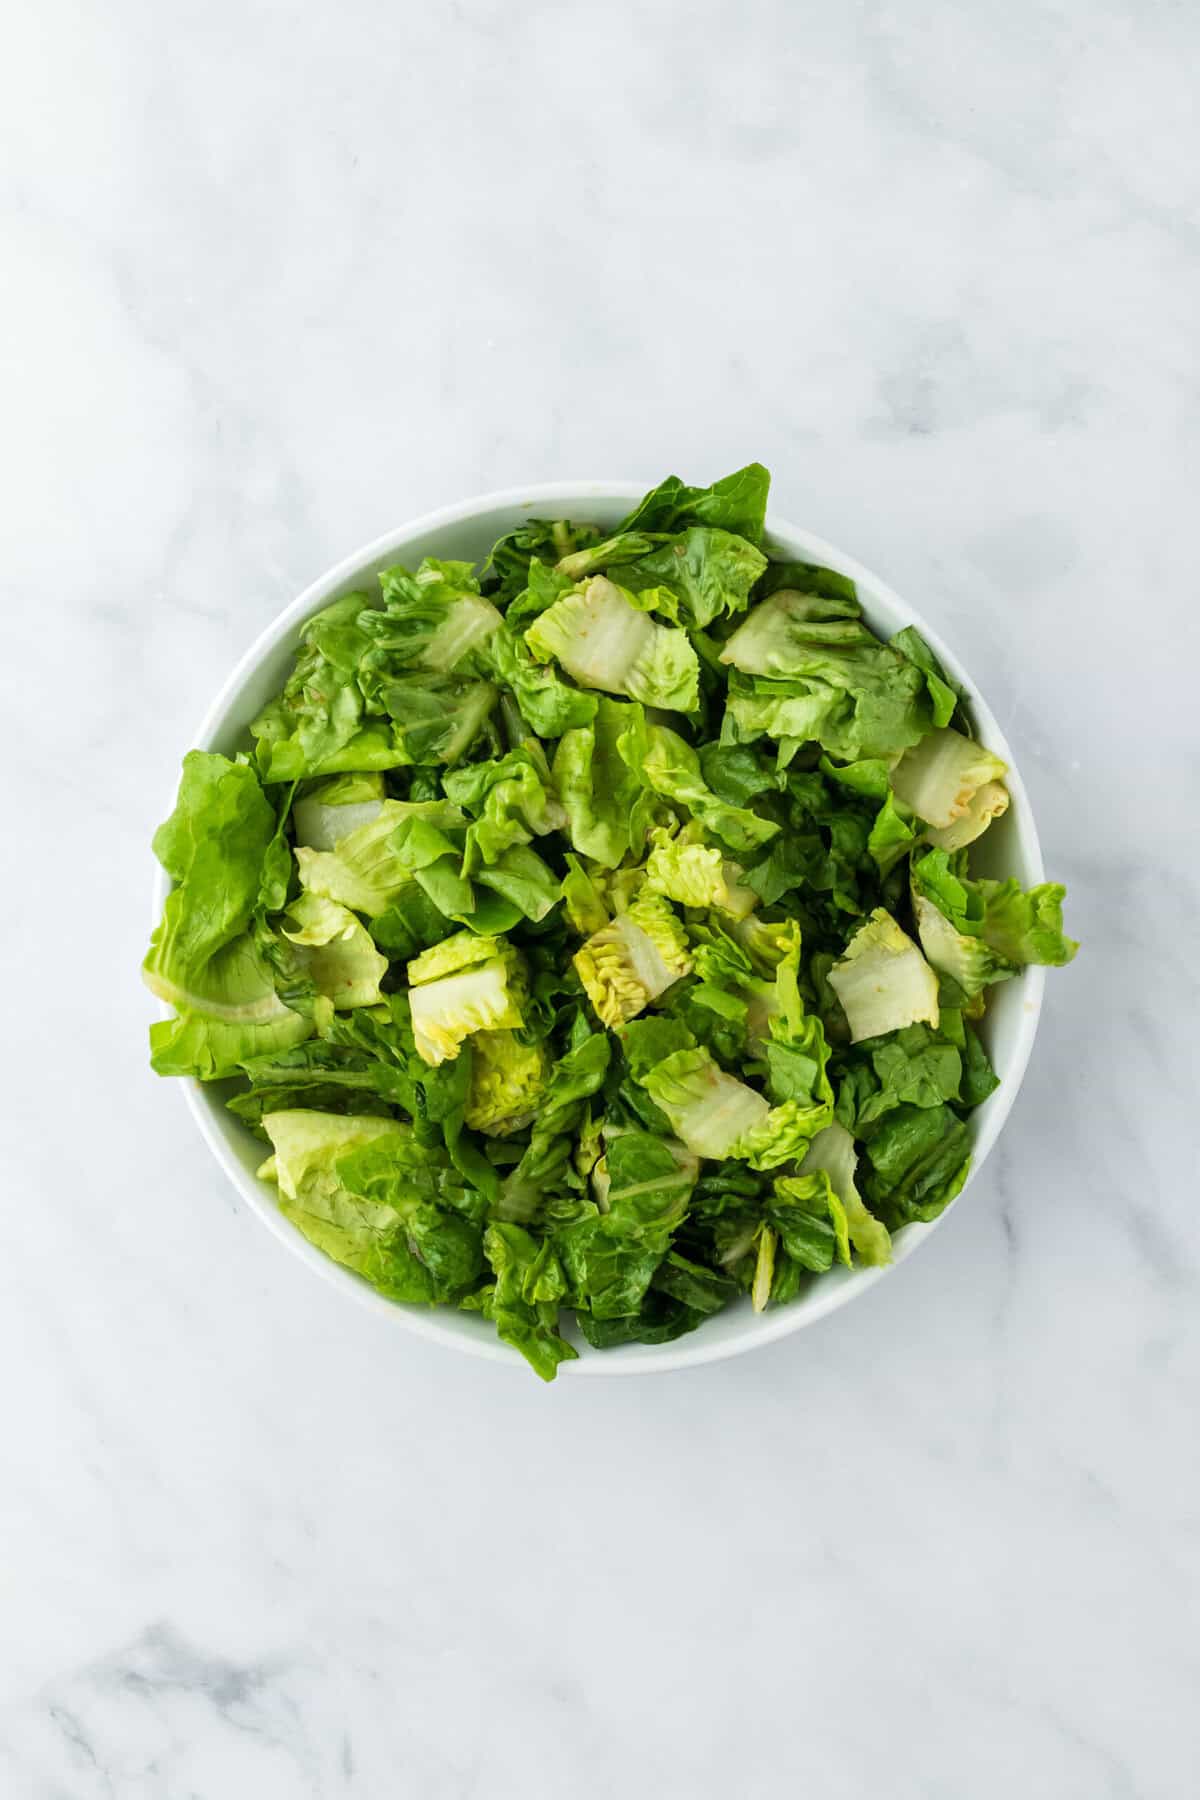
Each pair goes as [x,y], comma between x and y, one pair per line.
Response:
[277,278]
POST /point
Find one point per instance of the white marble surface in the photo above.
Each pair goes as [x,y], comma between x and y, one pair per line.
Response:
[275,278]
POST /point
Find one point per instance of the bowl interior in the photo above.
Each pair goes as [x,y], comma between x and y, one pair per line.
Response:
[1010,847]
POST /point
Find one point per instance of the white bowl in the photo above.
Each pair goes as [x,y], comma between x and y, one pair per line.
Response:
[1010,847]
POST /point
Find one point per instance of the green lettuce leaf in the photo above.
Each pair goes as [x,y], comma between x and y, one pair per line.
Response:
[604,641]
[944,694]
[682,867]
[919,1157]
[203,958]
[979,932]
[699,575]
[508,1079]
[510,799]
[378,1202]
[547,704]
[939,777]
[669,765]
[882,981]
[805,671]
[598,789]
[369,868]
[632,960]
[736,503]
[529,1289]
[335,951]
[545,1167]
[333,808]
[832,1152]
[463,985]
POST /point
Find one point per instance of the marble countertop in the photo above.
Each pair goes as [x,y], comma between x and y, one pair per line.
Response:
[278,278]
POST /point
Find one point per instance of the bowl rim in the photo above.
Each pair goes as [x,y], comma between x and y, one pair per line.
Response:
[760,1328]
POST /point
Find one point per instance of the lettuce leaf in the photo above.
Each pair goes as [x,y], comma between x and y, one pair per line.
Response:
[669,765]
[736,503]
[203,958]
[939,778]
[632,960]
[807,672]
[882,981]
[369,869]
[604,641]
[598,790]
[378,1202]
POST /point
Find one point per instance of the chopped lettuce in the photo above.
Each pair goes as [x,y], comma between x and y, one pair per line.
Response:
[683,868]
[368,869]
[601,794]
[942,774]
[507,1082]
[832,1152]
[333,808]
[336,951]
[603,640]
[882,980]
[204,958]
[632,960]
[595,931]
[807,669]
[463,985]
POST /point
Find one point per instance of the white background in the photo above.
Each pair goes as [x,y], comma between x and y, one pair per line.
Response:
[275,278]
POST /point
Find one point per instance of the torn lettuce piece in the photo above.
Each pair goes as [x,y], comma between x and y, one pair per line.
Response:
[671,767]
[978,932]
[986,804]
[694,577]
[510,799]
[432,618]
[967,960]
[682,867]
[642,1181]
[318,725]
[832,1151]
[710,1111]
[365,870]
[944,694]
[463,985]
[585,895]
[883,981]
[526,554]
[643,1185]
[633,959]
[530,1287]
[599,791]
[518,884]
[919,1159]
[1024,925]
[335,807]
[367,1193]
[336,951]
[736,503]
[546,1167]
[938,777]
[810,1221]
[203,958]
[237,1015]
[808,671]
[548,704]
[464,950]
[507,1081]
[436,718]
[604,641]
